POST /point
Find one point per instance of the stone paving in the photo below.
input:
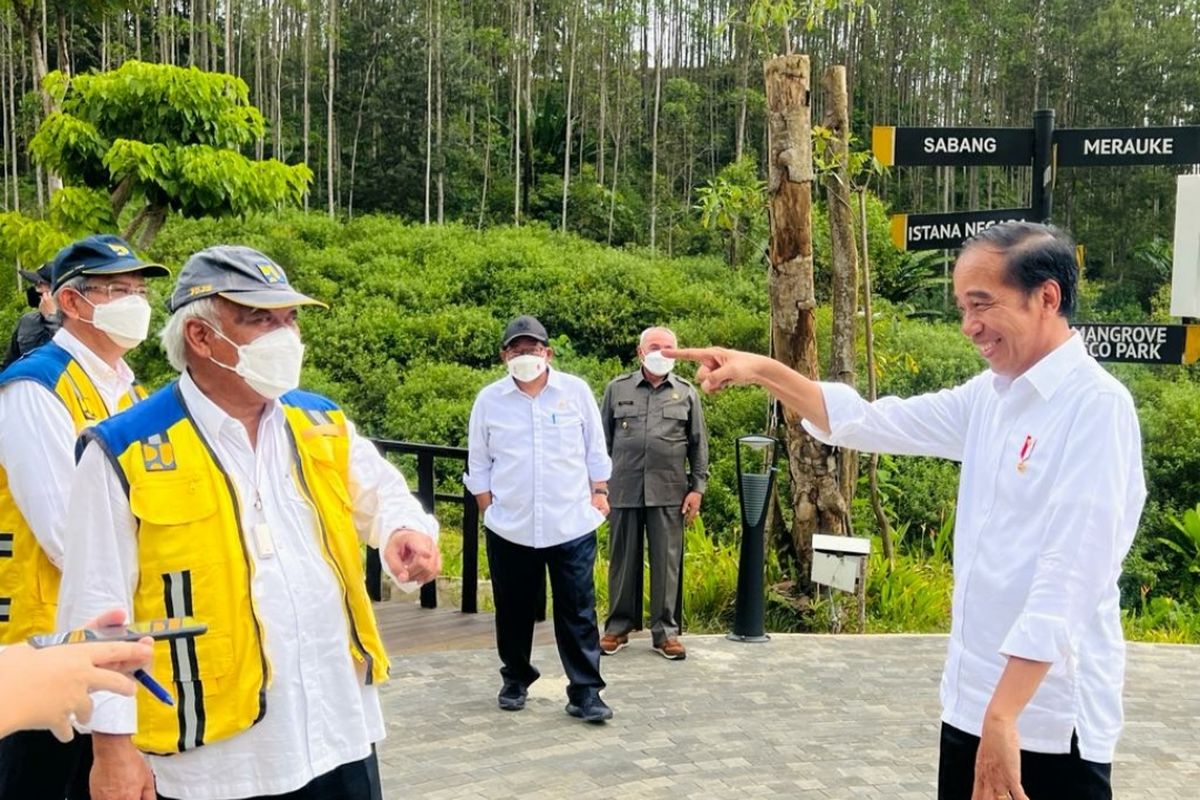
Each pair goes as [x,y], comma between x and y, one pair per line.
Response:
[798,717]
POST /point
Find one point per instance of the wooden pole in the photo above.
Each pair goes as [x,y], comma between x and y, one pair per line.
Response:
[817,501]
[843,254]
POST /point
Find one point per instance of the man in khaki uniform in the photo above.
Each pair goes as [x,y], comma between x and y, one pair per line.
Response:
[656,437]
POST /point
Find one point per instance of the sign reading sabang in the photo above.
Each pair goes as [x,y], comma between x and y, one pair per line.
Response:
[952,146]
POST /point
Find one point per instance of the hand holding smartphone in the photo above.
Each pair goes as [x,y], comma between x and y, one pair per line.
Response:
[158,629]
[164,629]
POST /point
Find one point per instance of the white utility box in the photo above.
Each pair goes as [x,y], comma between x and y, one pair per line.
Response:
[839,561]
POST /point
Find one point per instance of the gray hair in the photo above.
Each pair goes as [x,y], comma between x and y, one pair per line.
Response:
[171,335]
[75,284]
[650,330]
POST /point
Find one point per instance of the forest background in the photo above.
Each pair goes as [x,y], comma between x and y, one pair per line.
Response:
[599,164]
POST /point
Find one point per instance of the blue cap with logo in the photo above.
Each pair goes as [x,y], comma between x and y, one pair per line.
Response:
[102,254]
[239,274]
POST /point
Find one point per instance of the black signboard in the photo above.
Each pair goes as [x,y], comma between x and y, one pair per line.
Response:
[960,147]
[1139,344]
[1114,147]
[948,231]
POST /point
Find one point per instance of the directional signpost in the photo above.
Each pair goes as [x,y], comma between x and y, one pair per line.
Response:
[1045,149]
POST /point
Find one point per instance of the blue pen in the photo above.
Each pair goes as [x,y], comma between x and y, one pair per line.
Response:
[155,688]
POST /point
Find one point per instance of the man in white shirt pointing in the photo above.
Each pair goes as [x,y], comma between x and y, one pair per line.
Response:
[235,498]
[1048,504]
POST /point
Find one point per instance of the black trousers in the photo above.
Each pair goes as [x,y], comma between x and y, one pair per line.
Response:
[1044,776]
[516,587]
[358,780]
[33,764]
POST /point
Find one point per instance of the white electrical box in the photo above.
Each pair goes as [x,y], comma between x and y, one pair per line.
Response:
[839,561]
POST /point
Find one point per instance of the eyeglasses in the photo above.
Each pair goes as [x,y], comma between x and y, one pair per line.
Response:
[117,291]
[536,350]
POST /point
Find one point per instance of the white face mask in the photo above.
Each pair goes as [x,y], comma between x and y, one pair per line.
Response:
[125,321]
[526,368]
[270,364]
[657,364]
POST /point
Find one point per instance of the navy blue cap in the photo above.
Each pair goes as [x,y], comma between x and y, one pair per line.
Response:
[103,254]
[241,275]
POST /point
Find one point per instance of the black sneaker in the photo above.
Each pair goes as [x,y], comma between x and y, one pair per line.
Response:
[512,697]
[592,709]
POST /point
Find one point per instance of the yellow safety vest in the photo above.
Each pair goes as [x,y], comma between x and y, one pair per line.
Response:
[193,561]
[28,579]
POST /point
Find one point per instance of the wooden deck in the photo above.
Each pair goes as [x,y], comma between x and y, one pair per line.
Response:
[407,629]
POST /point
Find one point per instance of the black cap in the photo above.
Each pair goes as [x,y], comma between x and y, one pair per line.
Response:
[524,325]
[41,275]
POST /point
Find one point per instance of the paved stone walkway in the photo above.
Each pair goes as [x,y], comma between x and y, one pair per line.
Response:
[798,717]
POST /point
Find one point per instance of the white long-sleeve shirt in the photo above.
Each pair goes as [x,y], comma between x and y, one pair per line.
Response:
[1048,503]
[319,715]
[538,457]
[37,441]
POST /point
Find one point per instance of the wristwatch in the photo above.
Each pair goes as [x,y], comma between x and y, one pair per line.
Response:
[600,491]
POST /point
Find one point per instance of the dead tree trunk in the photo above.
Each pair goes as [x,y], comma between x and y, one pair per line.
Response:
[817,501]
[843,255]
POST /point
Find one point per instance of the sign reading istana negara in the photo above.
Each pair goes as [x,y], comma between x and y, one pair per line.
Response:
[948,231]
[1112,147]
[952,146]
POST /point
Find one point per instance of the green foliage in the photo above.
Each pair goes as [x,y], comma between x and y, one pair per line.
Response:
[29,241]
[163,135]
[735,202]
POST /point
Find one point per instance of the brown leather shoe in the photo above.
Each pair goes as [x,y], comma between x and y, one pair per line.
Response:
[611,643]
[671,649]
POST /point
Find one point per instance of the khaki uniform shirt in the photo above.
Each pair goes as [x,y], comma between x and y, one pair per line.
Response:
[657,441]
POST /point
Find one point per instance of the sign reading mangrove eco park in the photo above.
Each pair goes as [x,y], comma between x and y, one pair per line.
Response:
[1142,344]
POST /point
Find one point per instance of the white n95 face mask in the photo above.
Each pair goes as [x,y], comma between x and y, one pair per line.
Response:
[270,365]
[526,368]
[658,364]
[125,321]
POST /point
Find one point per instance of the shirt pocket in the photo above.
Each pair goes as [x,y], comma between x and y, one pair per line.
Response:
[165,506]
[674,424]
[565,431]
[628,420]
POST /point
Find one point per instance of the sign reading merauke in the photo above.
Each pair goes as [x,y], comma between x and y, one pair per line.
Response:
[1114,147]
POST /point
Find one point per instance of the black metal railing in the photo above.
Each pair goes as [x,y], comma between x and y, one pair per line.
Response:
[426,491]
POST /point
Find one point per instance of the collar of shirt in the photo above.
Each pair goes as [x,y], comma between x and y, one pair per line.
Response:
[1049,373]
[92,364]
[668,379]
[212,419]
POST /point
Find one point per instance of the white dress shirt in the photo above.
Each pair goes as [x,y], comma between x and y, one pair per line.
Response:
[319,715]
[37,441]
[538,457]
[1048,504]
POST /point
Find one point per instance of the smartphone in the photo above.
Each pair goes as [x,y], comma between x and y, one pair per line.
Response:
[170,628]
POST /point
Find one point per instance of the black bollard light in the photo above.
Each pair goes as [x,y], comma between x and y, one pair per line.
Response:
[754,495]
